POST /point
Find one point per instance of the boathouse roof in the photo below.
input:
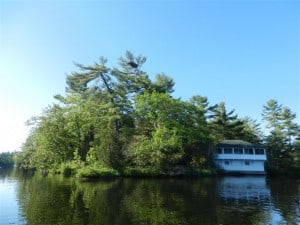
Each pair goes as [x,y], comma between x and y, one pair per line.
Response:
[239,143]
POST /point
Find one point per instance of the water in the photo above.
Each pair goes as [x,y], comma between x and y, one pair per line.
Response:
[37,200]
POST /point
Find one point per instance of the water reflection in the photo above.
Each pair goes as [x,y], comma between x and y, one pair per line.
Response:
[244,189]
[247,199]
[270,201]
[285,198]
[228,200]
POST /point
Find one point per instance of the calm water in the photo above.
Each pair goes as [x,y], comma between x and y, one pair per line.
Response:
[38,200]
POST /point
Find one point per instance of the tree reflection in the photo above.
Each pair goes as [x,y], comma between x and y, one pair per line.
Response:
[285,197]
[59,200]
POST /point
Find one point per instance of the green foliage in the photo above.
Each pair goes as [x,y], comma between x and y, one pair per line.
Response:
[271,114]
[251,131]
[68,168]
[162,150]
[163,83]
[143,171]
[225,124]
[96,171]
[281,141]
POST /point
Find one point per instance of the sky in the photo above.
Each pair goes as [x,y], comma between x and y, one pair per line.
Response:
[241,52]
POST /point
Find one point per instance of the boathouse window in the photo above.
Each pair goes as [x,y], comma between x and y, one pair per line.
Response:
[238,151]
[226,162]
[249,151]
[227,150]
[259,151]
[247,163]
[219,150]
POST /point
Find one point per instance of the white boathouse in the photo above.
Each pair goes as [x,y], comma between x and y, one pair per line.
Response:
[236,156]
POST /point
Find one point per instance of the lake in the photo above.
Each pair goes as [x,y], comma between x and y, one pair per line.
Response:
[37,200]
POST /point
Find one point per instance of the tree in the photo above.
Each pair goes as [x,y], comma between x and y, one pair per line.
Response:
[289,127]
[271,114]
[112,91]
[94,118]
[251,131]
[225,125]
[169,132]
[163,83]
[202,104]
[50,142]
[157,141]
[280,122]
[283,131]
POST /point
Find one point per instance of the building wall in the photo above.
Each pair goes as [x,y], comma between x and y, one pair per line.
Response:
[241,157]
[241,165]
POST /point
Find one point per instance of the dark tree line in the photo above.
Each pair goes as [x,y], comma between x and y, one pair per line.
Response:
[6,159]
[117,120]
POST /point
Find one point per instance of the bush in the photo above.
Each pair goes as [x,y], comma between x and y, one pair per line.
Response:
[96,172]
[147,171]
[66,169]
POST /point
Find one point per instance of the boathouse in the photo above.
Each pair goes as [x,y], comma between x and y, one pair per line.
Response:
[241,157]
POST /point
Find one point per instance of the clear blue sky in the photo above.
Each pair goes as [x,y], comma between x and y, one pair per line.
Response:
[240,52]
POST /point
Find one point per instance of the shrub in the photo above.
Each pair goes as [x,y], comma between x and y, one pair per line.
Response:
[96,172]
[147,171]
